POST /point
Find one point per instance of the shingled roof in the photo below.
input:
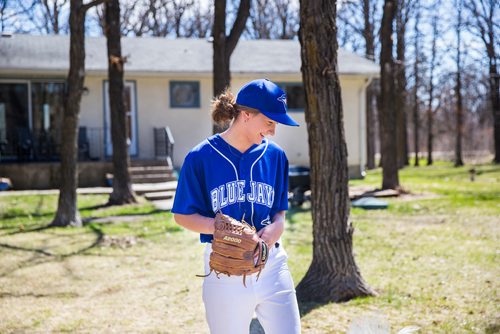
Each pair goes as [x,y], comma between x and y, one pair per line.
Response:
[46,54]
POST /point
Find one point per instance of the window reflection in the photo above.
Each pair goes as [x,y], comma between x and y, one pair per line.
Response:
[47,109]
[14,118]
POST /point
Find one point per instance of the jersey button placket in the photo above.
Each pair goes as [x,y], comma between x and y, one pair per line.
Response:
[243,176]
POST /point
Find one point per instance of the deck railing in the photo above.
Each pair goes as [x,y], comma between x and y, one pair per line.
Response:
[164,144]
[25,145]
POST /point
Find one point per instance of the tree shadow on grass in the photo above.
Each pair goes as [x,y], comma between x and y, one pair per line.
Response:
[23,230]
[465,172]
[43,256]
[294,210]
[38,295]
[90,219]
[95,207]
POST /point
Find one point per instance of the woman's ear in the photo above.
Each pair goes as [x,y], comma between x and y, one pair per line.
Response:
[246,115]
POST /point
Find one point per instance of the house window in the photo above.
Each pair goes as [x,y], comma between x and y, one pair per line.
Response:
[47,106]
[47,111]
[295,96]
[14,117]
[184,94]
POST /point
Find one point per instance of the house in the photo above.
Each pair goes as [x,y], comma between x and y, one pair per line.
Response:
[168,94]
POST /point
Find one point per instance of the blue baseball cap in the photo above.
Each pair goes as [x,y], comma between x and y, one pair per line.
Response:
[266,97]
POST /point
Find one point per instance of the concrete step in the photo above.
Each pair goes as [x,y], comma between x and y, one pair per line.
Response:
[152,178]
[148,163]
[160,195]
[142,188]
[150,169]
[164,205]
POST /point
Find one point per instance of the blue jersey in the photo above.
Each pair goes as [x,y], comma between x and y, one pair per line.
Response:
[216,176]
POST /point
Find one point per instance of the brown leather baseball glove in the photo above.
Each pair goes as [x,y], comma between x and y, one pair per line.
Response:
[236,248]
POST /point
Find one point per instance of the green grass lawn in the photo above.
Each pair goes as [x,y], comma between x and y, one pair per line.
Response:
[432,256]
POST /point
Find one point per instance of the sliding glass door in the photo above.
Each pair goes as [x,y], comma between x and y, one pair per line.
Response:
[30,119]
[131,113]
[14,119]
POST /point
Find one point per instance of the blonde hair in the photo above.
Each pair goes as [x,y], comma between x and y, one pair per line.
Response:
[224,108]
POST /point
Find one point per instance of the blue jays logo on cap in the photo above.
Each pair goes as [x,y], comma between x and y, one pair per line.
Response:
[282,98]
[266,97]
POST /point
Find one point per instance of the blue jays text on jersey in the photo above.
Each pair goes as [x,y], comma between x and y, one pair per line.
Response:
[216,176]
[234,191]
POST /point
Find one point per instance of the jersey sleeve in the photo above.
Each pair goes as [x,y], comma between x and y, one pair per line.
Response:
[189,197]
[281,188]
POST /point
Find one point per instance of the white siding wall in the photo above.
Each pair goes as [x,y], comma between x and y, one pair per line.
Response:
[191,126]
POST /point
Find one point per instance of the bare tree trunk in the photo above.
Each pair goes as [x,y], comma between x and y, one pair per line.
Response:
[122,186]
[222,77]
[368,34]
[460,123]
[67,211]
[400,95]
[416,118]
[416,125]
[333,274]
[224,46]
[430,114]
[495,104]
[458,91]
[370,127]
[388,114]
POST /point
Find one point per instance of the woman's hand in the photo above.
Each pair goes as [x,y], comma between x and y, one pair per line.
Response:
[272,232]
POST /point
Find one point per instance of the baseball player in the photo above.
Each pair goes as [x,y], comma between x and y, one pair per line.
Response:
[243,174]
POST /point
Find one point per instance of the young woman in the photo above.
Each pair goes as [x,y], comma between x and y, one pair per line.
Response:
[243,174]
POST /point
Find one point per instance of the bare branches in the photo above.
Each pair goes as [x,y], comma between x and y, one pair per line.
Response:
[91,4]
[358,24]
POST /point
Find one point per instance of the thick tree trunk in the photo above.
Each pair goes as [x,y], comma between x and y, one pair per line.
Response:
[388,114]
[67,211]
[122,187]
[333,274]
[222,76]
[400,94]
[223,46]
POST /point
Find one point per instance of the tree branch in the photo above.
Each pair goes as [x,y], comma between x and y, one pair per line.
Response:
[91,4]
[238,26]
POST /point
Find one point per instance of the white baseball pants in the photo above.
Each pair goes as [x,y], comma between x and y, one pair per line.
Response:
[229,306]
